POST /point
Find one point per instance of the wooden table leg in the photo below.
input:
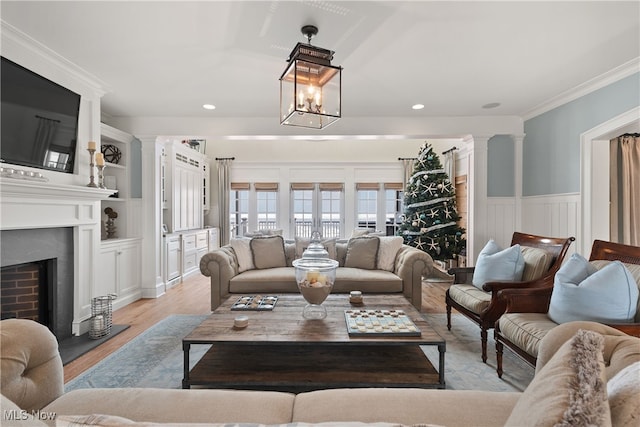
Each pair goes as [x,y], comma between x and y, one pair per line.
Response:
[441,350]
[186,347]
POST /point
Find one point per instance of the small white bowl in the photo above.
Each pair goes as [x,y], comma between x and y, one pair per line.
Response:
[241,322]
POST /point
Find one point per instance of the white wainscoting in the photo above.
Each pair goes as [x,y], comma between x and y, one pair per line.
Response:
[555,215]
[501,221]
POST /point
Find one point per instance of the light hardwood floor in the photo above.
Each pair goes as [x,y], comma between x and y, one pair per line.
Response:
[191,297]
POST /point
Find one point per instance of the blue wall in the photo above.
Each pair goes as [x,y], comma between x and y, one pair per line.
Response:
[551,151]
[500,166]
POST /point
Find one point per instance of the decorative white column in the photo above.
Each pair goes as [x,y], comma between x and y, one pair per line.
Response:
[518,162]
[153,284]
[477,193]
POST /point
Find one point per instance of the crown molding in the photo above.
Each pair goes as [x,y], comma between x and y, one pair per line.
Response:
[14,35]
[611,76]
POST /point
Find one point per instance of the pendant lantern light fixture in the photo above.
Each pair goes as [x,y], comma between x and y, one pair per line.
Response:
[310,87]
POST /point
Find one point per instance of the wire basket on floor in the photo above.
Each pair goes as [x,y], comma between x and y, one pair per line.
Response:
[101,316]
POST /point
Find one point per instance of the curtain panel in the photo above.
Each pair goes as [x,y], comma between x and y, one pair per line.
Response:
[224,188]
[625,190]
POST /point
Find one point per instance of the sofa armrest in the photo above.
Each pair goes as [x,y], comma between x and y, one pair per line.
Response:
[410,265]
[32,374]
[221,265]
[620,349]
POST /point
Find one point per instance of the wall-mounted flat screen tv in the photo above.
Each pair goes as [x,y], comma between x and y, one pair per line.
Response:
[39,120]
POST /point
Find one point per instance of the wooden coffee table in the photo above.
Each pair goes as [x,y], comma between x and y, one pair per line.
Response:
[280,350]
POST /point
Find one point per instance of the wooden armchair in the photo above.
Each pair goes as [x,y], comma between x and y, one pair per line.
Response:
[482,306]
[525,321]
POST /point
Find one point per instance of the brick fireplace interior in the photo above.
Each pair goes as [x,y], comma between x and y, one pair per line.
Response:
[37,276]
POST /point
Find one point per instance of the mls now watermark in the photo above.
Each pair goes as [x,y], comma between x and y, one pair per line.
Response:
[22,415]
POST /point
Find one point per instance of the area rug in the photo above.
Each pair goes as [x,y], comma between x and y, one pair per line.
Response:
[152,359]
[464,369]
[155,359]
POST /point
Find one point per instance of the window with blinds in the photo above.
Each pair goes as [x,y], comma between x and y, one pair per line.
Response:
[266,205]
[379,206]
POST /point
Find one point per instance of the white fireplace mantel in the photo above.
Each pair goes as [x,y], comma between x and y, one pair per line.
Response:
[35,204]
[26,204]
[34,188]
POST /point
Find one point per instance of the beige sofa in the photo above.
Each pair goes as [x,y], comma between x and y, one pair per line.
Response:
[585,369]
[404,274]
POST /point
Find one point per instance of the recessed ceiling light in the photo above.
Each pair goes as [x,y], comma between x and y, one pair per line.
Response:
[491,105]
[418,106]
[209,107]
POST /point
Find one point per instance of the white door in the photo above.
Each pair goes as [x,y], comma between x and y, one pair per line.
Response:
[317,207]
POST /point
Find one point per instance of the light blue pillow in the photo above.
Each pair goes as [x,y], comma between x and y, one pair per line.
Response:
[497,264]
[582,292]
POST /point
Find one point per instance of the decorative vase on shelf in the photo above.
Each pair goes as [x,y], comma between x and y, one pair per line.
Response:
[315,275]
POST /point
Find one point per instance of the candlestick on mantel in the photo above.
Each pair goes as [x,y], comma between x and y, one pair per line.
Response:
[91,166]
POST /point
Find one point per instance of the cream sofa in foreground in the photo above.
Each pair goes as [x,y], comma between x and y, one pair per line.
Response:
[587,375]
[268,267]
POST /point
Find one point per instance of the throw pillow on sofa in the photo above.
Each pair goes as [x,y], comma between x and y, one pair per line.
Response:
[241,247]
[302,243]
[387,251]
[571,389]
[362,252]
[268,252]
[497,264]
[581,292]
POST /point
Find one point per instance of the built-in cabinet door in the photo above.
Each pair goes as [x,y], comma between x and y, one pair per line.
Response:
[128,269]
[173,258]
[187,197]
[189,254]
[106,280]
[119,270]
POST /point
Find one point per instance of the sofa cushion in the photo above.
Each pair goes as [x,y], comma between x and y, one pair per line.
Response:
[526,330]
[581,292]
[536,262]
[22,418]
[178,406]
[99,420]
[570,389]
[387,251]
[470,297]
[367,281]
[624,396]
[268,252]
[273,280]
[362,252]
[406,406]
[497,264]
[302,243]
[242,248]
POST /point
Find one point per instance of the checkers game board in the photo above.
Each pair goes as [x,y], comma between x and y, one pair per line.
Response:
[391,323]
[255,303]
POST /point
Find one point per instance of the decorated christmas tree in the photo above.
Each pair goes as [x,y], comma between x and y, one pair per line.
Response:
[430,214]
